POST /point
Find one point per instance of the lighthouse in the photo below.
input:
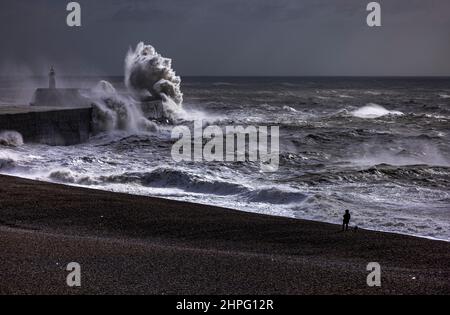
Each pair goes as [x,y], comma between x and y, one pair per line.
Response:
[53,96]
[52,79]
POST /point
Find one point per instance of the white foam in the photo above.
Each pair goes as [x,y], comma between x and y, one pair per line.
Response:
[373,110]
[148,74]
[11,138]
[114,112]
[290,109]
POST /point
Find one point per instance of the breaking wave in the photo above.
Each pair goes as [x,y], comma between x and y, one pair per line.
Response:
[112,111]
[373,110]
[7,161]
[149,75]
[11,138]
[186,181]
[289,109]
[275,195]
[66,176]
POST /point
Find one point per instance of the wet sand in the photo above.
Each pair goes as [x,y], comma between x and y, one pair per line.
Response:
[129,244]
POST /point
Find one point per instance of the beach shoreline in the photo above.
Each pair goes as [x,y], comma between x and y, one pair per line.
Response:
[128,244]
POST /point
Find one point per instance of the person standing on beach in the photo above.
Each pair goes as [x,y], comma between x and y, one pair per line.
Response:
[346,221]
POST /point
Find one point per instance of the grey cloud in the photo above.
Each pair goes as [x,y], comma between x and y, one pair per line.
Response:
[233,37]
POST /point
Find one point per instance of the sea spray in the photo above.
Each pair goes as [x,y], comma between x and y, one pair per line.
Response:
[112,111]
[11,139]
[148,75]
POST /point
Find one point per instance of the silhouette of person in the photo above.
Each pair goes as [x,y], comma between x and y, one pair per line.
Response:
[346,220]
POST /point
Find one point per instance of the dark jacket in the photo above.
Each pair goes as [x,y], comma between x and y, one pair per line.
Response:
[347,217]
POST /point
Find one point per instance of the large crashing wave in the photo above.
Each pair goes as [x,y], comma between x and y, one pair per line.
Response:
[148,76]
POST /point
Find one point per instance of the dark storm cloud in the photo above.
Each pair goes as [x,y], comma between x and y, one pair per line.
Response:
[231,37]
[231,10]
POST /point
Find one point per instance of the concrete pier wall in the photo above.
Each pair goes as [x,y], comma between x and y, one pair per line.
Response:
[61,117]
[48,125]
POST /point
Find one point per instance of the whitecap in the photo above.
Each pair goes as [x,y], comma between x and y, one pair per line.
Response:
[373,110]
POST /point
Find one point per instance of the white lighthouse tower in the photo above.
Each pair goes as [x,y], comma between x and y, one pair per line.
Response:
[52,79]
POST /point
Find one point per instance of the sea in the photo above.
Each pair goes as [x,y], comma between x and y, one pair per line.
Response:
[379,147]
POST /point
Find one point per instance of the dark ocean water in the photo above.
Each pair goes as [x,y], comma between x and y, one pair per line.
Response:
[377,146]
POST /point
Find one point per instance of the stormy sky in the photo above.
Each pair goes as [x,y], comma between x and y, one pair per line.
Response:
[229,37]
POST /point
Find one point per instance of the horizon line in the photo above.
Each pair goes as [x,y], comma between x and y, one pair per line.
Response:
[243,76]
